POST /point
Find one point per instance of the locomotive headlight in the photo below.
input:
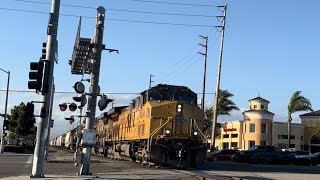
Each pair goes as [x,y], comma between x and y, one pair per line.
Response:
[167,132]
[195,133]
[179,108]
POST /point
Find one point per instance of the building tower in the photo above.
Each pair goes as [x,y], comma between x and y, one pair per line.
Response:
[257,125]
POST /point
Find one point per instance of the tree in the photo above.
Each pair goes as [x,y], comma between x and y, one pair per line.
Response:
[225,106]
[20,125]
[297,103]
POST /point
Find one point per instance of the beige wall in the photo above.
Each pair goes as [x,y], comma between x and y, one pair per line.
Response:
[257,136]
[280,129]
[230,129]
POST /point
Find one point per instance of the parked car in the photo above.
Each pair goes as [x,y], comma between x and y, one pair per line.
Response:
[221,155]
[303,158]
[265,154]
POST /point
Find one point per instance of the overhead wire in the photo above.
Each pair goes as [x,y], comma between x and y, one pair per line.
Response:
[123,10]
[174,3]
[113,19]
[69,92]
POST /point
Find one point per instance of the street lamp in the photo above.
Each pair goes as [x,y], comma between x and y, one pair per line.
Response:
[5,109]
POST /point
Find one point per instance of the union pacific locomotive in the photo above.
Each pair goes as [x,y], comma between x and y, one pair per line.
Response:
[161,126]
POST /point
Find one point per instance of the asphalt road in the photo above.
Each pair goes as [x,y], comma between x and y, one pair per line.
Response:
[61,165]
[12,164]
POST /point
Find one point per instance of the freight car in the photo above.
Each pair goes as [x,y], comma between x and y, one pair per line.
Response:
[162,126]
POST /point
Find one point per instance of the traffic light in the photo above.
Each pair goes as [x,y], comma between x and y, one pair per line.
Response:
[30,110]
[51,123]
[5,125]
[63,106]
[44,51]
[72,106]
[35,75]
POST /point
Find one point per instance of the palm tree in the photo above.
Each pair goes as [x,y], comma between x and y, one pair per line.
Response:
[225,106]
[297,103]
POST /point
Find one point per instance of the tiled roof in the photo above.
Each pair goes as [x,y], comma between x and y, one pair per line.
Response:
[258,111]
[259,98]
[313,113]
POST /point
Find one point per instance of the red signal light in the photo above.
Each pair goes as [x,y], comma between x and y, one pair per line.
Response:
[63,106]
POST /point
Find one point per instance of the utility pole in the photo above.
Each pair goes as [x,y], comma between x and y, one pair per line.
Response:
[150,81]
[49,124]
[51,49]
[91,110]
[204,69]
[214,120]
[5,110]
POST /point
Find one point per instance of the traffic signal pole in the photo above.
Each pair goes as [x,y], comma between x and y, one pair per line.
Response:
[5,111]
[49,124]
[51,49]
[91,109]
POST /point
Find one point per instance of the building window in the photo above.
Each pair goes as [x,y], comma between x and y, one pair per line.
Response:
[225,145]
[234,144]
[262,106]
[226,136]
[255,106]
[282,145]
[263,128]
[292,146]
[280,136]
[301,138]
[263,142]
[252,128]
[234,135]
[252,143]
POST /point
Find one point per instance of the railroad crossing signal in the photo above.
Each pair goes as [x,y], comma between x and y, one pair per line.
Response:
[63,106]
[71,119]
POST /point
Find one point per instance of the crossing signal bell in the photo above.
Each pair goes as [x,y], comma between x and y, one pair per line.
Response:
[35,75]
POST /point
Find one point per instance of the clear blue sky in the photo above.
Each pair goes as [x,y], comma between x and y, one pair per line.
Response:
[271,48]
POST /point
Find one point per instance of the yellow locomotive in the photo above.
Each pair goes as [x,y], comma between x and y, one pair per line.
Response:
[162,126]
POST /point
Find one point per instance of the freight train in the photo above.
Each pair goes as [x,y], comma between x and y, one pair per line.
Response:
[162,126]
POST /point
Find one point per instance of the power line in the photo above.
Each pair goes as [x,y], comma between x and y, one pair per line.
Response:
[124,10]
[173,3]
[112,19]
[70,92]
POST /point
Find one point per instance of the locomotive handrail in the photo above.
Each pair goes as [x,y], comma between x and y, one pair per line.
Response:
[154,132]
[204,137]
